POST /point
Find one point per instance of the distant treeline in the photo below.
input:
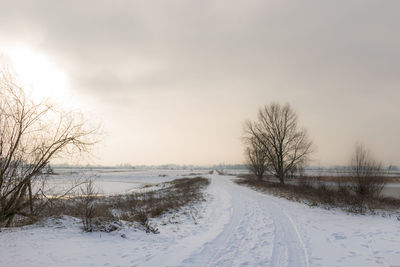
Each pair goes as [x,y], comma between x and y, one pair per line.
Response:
[391,168]
[146,167]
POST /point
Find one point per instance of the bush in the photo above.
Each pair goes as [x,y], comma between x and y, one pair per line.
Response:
[367,174]
[87,205]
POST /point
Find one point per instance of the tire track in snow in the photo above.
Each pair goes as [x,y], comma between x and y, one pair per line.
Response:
[289,248]
[306,261]
[259,233]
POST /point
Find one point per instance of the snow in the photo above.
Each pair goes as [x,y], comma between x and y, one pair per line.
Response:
[114,181]
[235,227]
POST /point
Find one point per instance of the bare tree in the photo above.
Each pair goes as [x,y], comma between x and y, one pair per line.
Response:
[31,134]
[256,158]
[368,173]
[286,147]
[88,205]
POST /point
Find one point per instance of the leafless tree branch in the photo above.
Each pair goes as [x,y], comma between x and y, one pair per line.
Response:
[31,134]
[285,146]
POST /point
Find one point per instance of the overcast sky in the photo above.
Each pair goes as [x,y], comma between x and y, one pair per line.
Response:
[174,81]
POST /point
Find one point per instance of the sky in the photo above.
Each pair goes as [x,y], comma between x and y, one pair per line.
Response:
[174,81]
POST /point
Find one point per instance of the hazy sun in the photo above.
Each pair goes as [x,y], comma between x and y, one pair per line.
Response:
[39,76]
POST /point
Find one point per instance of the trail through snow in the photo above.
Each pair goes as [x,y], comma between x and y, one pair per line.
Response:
[237,226]
[259,233]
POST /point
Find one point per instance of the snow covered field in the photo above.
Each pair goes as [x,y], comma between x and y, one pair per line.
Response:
[115,181]
[235,227]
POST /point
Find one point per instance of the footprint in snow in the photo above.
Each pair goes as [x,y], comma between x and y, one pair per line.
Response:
[339,236]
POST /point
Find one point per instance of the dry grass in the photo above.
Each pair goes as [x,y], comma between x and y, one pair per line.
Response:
[318,179]
[322,196]
[172,196]
[106,212]
[350,179]
[139,207]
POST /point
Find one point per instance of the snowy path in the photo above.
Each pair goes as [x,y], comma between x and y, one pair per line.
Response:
[259,233]
[236,227]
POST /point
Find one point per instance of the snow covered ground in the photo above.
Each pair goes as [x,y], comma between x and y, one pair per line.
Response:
[235,227]
[114,181]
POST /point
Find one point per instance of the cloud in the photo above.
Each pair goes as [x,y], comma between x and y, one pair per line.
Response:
[337,62]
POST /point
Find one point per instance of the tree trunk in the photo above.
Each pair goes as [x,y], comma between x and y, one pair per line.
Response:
[281,177]
[30,196]
[9,220]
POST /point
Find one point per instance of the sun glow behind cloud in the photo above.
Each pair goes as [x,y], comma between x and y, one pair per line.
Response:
[175,86]
[38,74]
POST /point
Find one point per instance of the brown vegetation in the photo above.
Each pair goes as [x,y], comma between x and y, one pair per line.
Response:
[345,179]
[321,195]
[367,173]
[103,213]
